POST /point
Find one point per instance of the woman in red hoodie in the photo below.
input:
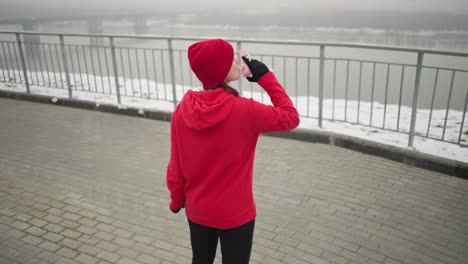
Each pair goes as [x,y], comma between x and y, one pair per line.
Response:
[213,138]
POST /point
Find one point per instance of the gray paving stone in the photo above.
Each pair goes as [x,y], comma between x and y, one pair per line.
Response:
[56,204]
[33,240]
[310,249]
[87,213]
[49,246]
[143,239]
[86,230]
[127,252]
[293,260]
[286,240]
[345,244]
[54,228]
[52,237]
[371,254]
[28,249]
[69,224]
[86,259]
[70,233]
[334,258]
[42,199]
[72,201]
[108,256]
[315,259]
[123,225]
[182,251]
[55,211]
[66,252]
[148,259]
[123,242]
[53,219]
[71,208]
[70,243]
[105,219]
[89,239]
[3,230]
[7,211]
[20,225]
[104,262]
[48,256]
[359,258]
[25,258]
[107,246]
[124,233]
[163,245]
[66,261]
[161,253]
[104,235]
[9,253]
[144,248]
[5,260]
[88,222]
[105,227]
[127,261]
[90,250]
[6,219]
[71,217]
[38,222]
[36,231]
[10,241]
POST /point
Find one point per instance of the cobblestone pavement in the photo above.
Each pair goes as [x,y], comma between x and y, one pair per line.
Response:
[79,186]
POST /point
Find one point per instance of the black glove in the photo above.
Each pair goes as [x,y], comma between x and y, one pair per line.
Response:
[257,68]
[176,211]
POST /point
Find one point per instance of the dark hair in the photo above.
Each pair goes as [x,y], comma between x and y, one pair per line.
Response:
[228,88]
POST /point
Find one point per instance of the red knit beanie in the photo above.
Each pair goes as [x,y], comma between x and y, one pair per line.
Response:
[211,61]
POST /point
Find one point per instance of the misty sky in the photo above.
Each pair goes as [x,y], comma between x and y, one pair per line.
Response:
[446,6]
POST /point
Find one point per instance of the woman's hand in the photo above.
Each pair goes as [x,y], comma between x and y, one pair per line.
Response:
[176,211]
[257,68]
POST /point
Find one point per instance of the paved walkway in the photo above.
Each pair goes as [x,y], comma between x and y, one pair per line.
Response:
[79,186]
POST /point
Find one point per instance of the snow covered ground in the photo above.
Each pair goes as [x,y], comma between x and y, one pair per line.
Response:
[158,96]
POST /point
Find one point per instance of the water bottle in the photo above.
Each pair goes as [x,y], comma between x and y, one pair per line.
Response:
[244,68]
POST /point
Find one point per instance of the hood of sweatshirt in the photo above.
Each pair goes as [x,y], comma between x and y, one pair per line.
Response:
[206,109]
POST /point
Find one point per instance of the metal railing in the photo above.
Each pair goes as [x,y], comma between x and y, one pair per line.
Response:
[318,77]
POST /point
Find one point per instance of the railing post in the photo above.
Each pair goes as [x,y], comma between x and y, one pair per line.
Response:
[463,120]
[171,63]
[322,62]
[23,63]
[415,98]
[65,66]
[114,67]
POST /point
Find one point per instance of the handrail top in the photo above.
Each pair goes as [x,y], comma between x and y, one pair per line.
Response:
[255,41]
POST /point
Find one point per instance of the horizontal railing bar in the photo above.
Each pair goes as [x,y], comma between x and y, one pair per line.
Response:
[395,64]
[86,46]
[285,56]
[275,42]
[438,139]
[369,61]
[445,69]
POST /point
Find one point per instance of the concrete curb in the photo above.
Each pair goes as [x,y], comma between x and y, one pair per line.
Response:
[410,157]
[406,156]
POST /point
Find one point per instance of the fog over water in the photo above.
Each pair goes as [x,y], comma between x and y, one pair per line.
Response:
[430,23]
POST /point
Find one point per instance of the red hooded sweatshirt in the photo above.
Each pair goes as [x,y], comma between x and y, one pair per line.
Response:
[213,140]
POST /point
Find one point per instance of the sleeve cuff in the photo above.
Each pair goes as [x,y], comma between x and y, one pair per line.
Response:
[267,78]
[176,205]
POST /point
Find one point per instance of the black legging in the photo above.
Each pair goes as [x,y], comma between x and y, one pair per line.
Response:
[236,243]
